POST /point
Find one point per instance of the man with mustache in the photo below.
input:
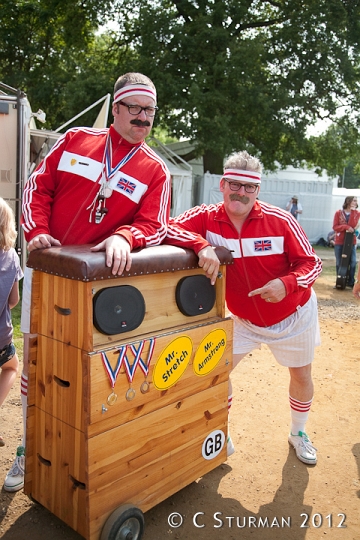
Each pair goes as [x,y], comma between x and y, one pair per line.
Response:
[104,187]
[268,288]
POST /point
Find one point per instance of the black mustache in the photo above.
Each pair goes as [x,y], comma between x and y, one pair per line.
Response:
[241,198]
[140,123]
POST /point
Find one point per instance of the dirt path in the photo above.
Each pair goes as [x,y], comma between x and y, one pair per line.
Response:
[262,483]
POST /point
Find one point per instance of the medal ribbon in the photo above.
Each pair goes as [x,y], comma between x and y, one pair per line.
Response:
[123,359]
[130,370]
[109,172]
[112,373]
[145,366]
[106,176]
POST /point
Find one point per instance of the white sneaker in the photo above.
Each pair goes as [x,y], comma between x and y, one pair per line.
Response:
[305,451]
[14,479]
[230,446]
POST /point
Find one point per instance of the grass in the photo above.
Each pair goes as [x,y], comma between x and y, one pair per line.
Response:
[328,270]
[16,315]
[327,256]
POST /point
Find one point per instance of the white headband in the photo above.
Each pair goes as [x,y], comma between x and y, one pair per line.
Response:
[135,90]
[243,176]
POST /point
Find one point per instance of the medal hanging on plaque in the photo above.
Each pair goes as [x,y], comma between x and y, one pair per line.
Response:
[145,387]
[112,374]
[130,370]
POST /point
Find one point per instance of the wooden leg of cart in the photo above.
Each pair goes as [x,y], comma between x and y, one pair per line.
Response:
[101,453]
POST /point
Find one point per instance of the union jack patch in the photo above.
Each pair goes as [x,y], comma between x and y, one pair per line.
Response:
[126,185]
[262,245]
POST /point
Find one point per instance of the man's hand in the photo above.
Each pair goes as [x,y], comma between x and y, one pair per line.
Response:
[42,241]
[118,253]
[273,291]
[209,262]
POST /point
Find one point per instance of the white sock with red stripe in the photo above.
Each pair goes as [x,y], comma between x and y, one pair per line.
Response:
[24,389]
[229,402]
[299,414]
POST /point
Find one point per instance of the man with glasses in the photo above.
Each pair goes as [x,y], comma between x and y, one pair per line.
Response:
[103,187]
[268,288]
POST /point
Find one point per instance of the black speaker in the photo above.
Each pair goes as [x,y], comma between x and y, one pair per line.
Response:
[118,309]
[195,295]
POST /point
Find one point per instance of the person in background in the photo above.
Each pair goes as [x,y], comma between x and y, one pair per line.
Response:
[10,275]
[268,288]
[105,187]
[294,207]
[346,219]
[331,239]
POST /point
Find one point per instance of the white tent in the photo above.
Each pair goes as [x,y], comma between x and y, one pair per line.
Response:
[181,178]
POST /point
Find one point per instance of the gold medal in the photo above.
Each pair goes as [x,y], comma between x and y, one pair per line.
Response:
[130,394]
[112,398]
[145,387]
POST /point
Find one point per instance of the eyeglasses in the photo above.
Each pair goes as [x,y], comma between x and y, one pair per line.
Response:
[135,110]
[236,186]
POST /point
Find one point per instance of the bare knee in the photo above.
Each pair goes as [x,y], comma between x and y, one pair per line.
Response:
[12,365]
[302,375]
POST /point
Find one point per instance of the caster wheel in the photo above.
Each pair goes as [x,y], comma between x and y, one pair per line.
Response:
[125,523]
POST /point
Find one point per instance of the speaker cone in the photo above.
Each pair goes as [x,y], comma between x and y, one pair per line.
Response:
[118,309]
[195,295]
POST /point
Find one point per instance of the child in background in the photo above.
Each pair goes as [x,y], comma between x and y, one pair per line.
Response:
[10,274]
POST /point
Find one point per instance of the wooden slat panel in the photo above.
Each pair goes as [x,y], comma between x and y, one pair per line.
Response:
[162,311]
[189,383]
[59,381]
[30,445]
[33,352]
[74,386]
[59,296]
[76,328]
[35,302]
[58,463]
[145,461]
[220,293]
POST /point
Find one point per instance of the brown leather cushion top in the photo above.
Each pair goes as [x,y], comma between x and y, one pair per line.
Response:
[78,262]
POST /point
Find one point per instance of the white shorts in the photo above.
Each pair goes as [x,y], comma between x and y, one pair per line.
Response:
[26,301]
[292,341]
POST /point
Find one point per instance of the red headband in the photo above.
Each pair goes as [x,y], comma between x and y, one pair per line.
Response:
[242,176]
[135,90]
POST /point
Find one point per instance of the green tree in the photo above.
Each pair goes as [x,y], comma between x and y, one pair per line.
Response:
[247,74]
[42,44]
[90,75]
[230,74]
[351,176]
[337,150]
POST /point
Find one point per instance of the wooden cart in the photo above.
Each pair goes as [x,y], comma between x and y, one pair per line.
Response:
[117,422]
